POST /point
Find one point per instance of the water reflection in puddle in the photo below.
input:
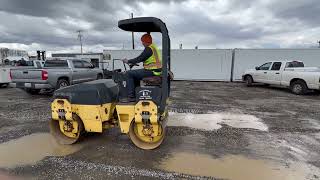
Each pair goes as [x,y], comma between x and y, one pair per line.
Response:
[213,121]
[4,176]
[231,167]
[31,149]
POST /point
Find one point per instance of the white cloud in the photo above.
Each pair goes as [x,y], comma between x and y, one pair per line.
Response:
[52,25]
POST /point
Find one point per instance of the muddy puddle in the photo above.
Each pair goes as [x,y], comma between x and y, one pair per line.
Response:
[214,121]
[232,167]
[5,176]
[30,149]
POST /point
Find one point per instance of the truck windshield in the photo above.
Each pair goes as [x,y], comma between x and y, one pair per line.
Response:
[294,64]
[56,63]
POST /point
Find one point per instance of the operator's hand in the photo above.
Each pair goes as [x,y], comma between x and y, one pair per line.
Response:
[125,60]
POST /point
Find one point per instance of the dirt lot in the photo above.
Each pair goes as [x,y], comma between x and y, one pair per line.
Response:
[216,130]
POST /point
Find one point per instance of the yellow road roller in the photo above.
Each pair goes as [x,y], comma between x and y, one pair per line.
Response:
[94,106]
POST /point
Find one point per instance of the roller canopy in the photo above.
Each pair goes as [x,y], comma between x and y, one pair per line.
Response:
[143,24]
[152,24]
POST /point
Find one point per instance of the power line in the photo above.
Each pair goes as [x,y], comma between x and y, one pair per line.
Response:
[80,38]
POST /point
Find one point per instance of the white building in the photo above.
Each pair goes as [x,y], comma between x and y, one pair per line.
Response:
[12,55]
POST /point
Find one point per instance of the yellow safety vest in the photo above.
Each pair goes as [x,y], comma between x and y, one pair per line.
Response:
[154,61]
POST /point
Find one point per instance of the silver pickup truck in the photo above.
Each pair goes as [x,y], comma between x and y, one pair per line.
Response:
[54,75]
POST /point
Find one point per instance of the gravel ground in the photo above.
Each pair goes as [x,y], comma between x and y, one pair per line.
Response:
[216,131]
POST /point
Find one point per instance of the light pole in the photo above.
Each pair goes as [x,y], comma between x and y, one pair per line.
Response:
[80,38]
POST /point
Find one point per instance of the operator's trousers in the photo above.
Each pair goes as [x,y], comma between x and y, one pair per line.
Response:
[134,77]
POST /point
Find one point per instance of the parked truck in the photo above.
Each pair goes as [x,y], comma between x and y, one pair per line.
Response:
[5,78]
[54,75]
[289,74]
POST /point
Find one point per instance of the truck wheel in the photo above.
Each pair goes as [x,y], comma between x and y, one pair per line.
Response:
[249,81]
[32,91]
[298,87]
[62,83]
[99,76]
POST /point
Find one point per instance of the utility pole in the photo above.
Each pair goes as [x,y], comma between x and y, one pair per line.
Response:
[132,34]
[80,38]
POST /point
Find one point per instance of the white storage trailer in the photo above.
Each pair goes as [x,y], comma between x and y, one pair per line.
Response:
[97,59]
[189,64]
[119,54]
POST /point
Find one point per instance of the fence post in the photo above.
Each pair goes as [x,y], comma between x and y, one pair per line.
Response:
[232,64]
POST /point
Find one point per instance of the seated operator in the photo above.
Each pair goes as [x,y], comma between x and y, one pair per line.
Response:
[152,65]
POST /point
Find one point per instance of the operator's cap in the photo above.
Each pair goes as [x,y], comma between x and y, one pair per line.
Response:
[146,38]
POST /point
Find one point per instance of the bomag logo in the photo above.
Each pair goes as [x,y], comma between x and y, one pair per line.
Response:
[145,94]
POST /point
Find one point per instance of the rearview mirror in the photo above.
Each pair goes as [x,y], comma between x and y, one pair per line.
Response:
[257,68]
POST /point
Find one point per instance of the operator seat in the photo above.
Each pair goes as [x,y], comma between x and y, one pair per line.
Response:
[152,81]
[156,80]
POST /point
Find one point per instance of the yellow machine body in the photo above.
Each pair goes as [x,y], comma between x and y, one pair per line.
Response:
[92,116]
[71,119]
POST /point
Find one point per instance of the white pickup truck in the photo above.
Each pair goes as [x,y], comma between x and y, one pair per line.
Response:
[289,74]
[5,78]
